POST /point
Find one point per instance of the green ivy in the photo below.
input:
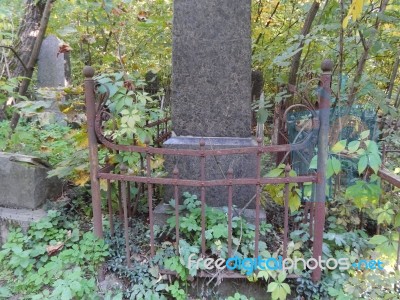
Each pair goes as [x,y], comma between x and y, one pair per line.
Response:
[53,260]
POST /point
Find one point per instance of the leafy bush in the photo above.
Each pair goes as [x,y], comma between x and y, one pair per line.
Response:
[53,260]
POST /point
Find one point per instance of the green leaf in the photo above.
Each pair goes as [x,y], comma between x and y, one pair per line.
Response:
[220,230]
[364,134]
[286,287]
[275,172]
[378,239]
[384,217]
[282,277]
[353,146]
[362,164]
[294,202]
[5,292]
[66,294]
[375,162]
[397,220]
[336,165]
[329,168]
[161,287]
[339,146]
[333,292]
[372,147]
[272,286]
[75,286]
[314,162]
[263,274]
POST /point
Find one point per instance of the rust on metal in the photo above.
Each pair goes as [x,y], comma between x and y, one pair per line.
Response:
[323,144]
[390,177]
[286,213]
[258,196]
[110,209]
[209,183]
[230,204]
[150,201]
[124,196]
[97,114]
[203,196]
[93,152]
[176,196]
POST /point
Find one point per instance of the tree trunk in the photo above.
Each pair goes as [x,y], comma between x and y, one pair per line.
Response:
[282,137]
[30,37]
[296,58]
[337,128]
[27,34]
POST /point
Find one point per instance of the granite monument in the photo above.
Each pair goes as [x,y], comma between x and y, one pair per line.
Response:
[211,93]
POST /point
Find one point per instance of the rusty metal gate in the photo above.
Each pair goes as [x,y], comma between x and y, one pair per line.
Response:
[314,210]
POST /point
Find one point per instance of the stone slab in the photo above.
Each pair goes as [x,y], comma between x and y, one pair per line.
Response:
[51,64]
[17,217]
[244,166]
[24,182]
[211,68]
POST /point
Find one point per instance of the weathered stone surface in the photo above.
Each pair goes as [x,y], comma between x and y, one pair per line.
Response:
[51,67]
[216,168]
[24,182]
[211,63]
[17,217]
[50,99]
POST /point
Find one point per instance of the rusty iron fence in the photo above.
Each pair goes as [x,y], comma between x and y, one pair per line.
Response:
[394,181]
[315,211]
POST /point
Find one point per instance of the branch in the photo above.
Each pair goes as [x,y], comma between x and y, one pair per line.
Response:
[394,75]
[36,48]
[32,61]
[268,23]
[305,30]
[16,55]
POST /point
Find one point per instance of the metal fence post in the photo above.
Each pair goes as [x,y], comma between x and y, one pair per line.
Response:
[93,155]
[323,144]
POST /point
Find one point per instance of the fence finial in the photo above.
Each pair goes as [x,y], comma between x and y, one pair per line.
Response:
[88,71]
[327,65]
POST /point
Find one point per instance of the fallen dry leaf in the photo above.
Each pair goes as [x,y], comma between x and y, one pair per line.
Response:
[52,249]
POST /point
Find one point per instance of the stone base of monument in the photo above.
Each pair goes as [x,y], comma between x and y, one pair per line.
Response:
[216,167]
[50,99]
[10,217]
[24,182]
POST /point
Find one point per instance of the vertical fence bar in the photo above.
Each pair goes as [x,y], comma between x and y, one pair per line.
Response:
[124,196]
[258,196]
[158,133]
[150,198]
[230,195]
[323,141]
[306,212]
[129,203]
[88,72]
[121,209]
[398,251]
[378,226]
[312,210]
[110,209]
[311,226]
[286,216]
[176,196]
[203,197]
